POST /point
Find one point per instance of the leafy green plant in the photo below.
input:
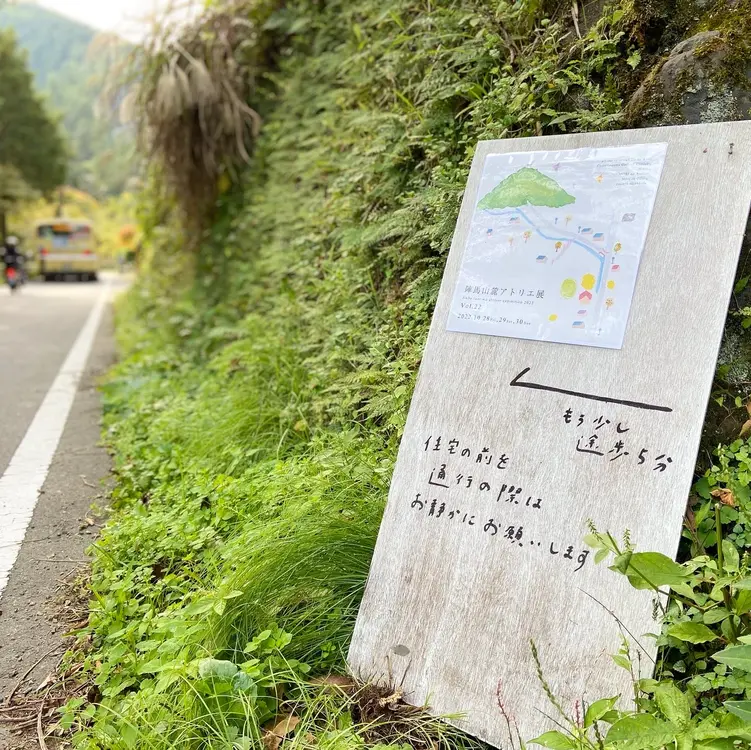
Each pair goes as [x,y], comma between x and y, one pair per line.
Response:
[728,478]
[705,606]
[667,719]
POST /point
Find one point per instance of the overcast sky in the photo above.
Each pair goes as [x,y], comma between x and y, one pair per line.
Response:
[123,16]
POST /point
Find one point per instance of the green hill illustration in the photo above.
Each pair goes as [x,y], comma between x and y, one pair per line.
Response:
[527,187]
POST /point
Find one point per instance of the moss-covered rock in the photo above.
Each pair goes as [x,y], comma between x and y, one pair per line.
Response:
[661,24]
[706,77]
[694,85]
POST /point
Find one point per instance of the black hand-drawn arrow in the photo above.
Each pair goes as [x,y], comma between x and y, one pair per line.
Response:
[518,383]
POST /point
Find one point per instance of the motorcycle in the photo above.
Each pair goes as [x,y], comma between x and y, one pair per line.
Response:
[13,277]
[15,263]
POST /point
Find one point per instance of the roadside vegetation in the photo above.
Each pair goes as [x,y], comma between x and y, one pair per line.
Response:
[269,352]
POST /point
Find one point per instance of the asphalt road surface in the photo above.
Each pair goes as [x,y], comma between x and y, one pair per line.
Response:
[55,343]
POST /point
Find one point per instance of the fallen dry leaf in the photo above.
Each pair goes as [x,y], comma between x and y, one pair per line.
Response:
[274,736]
[746,429]
[271,741]
[337,680]
[725,496]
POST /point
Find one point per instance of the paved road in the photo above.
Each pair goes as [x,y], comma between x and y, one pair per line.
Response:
[55,340]
[38,326]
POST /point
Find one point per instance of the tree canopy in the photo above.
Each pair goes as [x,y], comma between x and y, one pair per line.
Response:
[31,144]
[73,65]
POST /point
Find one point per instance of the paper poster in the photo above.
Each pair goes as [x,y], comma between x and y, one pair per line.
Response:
[554,246]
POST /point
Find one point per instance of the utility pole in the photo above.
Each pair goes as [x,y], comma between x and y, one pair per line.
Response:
[60,203]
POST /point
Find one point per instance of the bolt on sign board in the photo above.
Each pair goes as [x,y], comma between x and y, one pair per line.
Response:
[564,383]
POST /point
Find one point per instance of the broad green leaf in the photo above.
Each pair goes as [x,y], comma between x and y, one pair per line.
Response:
[679,666]
[647,685]
[562,118]
[598,709]
[554,741]
[244,683]
[727,630]
[688,592]
[128,734]
[742,493]
[634,59]
[622,661]
[119,687]
[734,726]
[199,607]
[742,602]
[649,569]
[691,632]
[216,668]
[702,489]
[738,657]
[717,744]
[166,679]
[674,704]
[704,733]
[621,562]
[641,731]
[718,590]
[743,585]
[718,614]
[611,716]
[731,561]
[151,667]
[600,540]
[700,683]
[742,709]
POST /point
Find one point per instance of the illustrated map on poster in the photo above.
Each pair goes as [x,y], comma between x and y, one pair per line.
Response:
[555,242]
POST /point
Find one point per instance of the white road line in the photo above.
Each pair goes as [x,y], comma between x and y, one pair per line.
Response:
[27,470]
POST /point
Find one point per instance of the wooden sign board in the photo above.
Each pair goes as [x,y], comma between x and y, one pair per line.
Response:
[513,444]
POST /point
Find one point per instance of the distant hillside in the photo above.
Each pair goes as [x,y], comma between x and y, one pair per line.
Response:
[70,62]
[52,40]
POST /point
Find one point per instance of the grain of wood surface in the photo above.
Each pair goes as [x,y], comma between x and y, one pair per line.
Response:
[450,608]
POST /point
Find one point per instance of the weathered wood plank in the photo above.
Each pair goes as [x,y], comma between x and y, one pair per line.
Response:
[450,608]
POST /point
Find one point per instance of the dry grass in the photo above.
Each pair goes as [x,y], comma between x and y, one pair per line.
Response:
[191,104]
